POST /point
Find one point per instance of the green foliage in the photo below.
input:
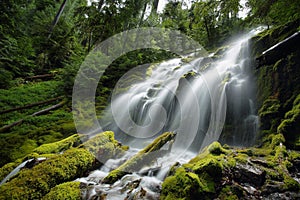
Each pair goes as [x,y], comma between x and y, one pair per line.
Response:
[273,12]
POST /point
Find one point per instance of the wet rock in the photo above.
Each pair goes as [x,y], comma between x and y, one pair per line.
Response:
[271,188]
[245,173]
[259,162]
[283,196]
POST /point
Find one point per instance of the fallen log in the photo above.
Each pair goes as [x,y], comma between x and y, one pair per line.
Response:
[9,126]
[42,76]
[31,105]
[142,158]
[279,50]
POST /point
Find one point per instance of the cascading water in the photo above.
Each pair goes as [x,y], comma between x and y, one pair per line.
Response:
[190,98]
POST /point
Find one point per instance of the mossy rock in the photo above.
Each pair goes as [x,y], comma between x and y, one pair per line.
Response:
[104,146]
[66,191]
[183,185]
[36,182]
[75,162]
[198,177]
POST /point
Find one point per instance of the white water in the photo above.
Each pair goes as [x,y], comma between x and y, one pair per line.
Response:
[195,108]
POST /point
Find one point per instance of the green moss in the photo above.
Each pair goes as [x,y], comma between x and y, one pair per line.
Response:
[59,146]
[6,169]
[183,185]
[291,184]
[289,127]
[214,148]
[200,176]
[208,165]
[277,140]
[66,191]
[75,162]
[227,193]
[189,75]
[269,114]
[150,69]
[104,146]
[187,59]
[36,182]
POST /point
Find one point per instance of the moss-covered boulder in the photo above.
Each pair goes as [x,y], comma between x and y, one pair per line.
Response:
[66,191]
[36,182]
[232,173]
[104,146]
[76,162]
[196,178]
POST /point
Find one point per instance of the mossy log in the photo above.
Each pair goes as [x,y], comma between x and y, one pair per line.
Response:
[76,162]
[31,105]
[142,158]
[41,112]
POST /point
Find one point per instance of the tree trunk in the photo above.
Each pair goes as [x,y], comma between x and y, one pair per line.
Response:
[61,9]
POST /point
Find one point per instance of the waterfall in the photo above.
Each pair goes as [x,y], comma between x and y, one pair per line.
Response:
[204,100]
[197,99]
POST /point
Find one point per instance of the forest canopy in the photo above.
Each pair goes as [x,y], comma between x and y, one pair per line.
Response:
[43,36]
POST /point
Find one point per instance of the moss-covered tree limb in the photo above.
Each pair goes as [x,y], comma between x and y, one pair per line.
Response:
[145,156]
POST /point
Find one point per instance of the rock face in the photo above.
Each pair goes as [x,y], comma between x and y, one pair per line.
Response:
[278,77]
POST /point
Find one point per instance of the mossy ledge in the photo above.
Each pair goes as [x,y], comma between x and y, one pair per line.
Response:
[233,173]
[76,162]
